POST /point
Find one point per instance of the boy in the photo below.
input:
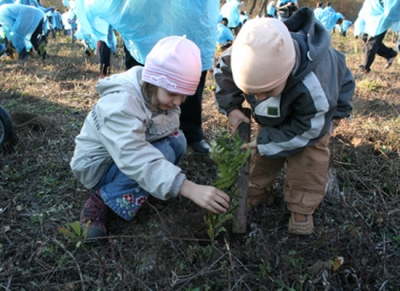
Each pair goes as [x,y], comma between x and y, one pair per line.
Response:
[297,85]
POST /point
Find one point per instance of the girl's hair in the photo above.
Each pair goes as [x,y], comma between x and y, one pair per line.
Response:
[149,92]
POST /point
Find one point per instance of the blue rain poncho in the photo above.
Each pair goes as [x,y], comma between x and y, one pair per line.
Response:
[19,23]
[57,20]
[319,13]
[141,23]
[271,11]
[6,2]
[374,18]
[329,18]
[345,25]
[224,35]
[65,3]
[95,30]
[230,10]
[243,18]
[68,20]
[2,39]
[35,3]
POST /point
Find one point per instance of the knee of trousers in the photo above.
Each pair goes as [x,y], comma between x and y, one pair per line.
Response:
[306,177]
[304,190]
[263,172]
[303,201]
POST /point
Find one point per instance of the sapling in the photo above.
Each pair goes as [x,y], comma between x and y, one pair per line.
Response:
[230,159]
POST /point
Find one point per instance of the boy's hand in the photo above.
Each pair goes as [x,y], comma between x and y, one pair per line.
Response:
[207,197]
[252,145]
[236,117]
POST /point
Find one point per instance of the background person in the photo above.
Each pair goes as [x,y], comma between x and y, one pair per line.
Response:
[286,8]
[374,19]
[271,10]
[225,35]
[23,23]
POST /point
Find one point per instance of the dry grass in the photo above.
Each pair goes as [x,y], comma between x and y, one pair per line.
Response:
[356,244]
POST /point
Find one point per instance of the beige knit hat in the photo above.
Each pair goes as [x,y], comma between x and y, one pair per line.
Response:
[263,55]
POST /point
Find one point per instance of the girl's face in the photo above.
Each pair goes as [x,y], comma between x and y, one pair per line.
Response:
[168,100]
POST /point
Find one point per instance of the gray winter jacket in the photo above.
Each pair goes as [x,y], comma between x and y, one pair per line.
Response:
[120,128]
[319,90]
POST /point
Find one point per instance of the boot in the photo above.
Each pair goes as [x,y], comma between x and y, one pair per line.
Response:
[95,215]
[256,197]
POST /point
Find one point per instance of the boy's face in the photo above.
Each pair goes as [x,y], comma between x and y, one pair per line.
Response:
[272,93]
[168,100]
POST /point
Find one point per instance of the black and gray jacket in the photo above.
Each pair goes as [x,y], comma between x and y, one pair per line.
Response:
[319,90]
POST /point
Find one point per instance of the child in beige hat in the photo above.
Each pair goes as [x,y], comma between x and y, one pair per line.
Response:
[297,86]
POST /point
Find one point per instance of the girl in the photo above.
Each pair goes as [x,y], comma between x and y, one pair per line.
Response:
[130,143]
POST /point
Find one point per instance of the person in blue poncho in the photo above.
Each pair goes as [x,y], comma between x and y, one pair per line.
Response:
[105,48]
[57,21]
[166,18]
[225,35]
[319,11]
[344,27]
[130,144]
[23,24]
[230,10]
[271,11]
[286,8]
[374,19]
[243,17]
[329,18]
[6,2]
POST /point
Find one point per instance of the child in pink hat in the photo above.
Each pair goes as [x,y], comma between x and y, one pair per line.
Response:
[130,143]
[298,87]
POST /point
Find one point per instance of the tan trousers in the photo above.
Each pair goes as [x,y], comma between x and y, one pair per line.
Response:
[306,176]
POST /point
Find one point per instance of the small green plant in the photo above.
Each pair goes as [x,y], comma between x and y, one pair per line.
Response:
[230,159]
[73,231]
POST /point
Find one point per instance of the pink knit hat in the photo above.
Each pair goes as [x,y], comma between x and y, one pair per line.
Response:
[263,55]
[174,64]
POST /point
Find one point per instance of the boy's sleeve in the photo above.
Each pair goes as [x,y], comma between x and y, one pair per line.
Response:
[227,95]
[344,103]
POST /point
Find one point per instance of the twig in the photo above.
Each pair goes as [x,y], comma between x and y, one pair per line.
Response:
[178,281]
[73,258]
[231,262]
[161,237]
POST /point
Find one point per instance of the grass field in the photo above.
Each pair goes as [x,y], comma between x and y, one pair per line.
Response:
[355,246]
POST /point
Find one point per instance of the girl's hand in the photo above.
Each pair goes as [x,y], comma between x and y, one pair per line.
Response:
[207,197]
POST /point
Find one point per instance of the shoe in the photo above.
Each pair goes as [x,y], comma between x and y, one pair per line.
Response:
[301,228]
[364,70]
[255,199]
[200,147]
[94,216]
[390,62]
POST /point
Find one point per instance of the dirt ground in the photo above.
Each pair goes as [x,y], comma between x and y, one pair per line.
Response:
[355,246]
